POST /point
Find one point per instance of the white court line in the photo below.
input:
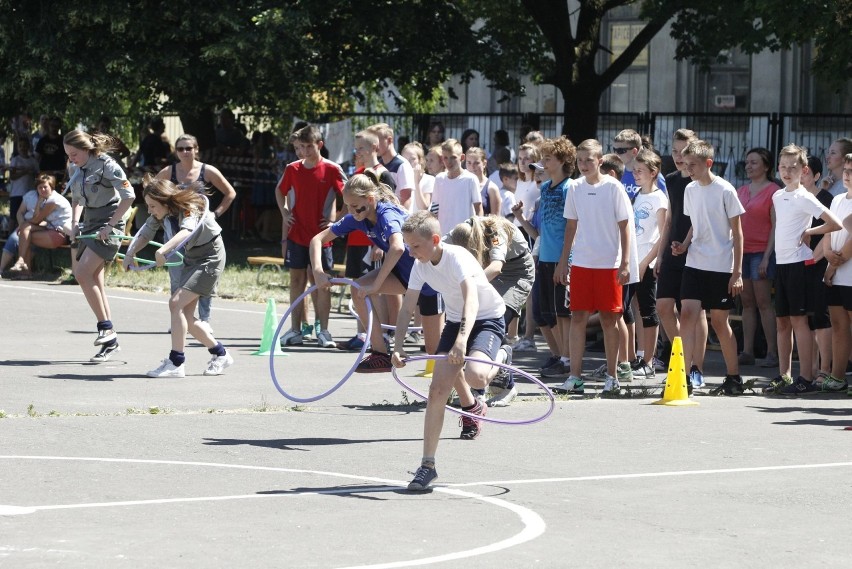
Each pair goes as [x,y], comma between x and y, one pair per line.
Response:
[534,525]
[116,297]
[653,474]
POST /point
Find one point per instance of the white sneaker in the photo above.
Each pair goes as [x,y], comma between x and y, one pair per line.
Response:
[599,373]
[105,353]
[217,364]
[502,397]
[525,345]
[611,386]
[105,337]
[167,369]
[291,338]
[325,340]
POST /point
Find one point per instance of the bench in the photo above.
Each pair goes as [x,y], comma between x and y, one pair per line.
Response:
[277,263]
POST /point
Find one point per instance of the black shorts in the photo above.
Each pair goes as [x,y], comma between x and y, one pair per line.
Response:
[668,283]
[298,257]
[839,295]
[355,265]
[645,292]
[628,291]
[486,337]
[819,319]
[430,304]
[710,287]
[554,300]
[791,290]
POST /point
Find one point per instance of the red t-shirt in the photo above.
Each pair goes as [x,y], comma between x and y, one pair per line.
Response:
[310,189]
[757,219]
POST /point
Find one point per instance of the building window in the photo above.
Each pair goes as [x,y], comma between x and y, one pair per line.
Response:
[629,92]
[817,95]
[726,86]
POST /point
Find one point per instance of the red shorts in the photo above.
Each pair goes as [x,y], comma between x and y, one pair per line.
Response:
[595,290]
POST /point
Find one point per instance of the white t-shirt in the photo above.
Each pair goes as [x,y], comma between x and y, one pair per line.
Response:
[794,212]
[527,192]
[597,208]
[645,208]
[60,217]
[427,186]
[404,177]
[456,265]
[507,202]
[20,186]
[710,208]
[841,206]
[455,198]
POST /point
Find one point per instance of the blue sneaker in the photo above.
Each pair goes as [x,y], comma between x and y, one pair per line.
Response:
[424,476]
[696,378]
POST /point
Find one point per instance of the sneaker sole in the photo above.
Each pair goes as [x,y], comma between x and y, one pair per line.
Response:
[105,340]
[224,367]
[380,370]
[108,356]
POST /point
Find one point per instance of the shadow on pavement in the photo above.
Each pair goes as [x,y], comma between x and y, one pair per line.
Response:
[291,444]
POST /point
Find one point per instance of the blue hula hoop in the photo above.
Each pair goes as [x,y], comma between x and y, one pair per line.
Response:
[281,323]
[484,418]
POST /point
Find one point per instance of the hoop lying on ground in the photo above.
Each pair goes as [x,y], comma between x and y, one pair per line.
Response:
[384,326]
[278,332]
[148,263]
[486,418]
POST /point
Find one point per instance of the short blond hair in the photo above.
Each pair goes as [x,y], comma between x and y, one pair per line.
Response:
[629,136]
[700,148]
[422,223]
[591,145]
[794,151]
[382,130]
[368,136]
[451,145]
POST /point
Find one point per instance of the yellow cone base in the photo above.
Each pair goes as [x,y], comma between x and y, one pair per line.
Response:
[269,324]
[430,367]
[676,393]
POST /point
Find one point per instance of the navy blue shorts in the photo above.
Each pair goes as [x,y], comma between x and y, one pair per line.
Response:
[486,337]
[298,257]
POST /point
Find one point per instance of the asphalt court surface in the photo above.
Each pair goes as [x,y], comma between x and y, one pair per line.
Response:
[101,466]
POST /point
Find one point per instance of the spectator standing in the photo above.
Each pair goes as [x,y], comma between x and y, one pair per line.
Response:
[22,172]
[475,161]
[400,168]
[424,182]
[456,191]
[833,181]
[50,151]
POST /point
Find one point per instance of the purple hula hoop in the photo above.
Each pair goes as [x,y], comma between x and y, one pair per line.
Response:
[384,326]
[278,332]
[487,419]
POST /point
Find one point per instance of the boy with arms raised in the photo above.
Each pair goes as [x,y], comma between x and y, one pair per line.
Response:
[598,213]
[474,328]
[713,246]
[795,207]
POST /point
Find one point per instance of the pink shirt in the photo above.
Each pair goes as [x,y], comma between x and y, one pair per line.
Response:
[757,219]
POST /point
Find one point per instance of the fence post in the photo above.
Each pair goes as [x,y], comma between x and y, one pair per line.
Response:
[776,130]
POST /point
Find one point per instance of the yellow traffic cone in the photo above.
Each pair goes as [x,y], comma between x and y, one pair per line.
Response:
[676,393]
[270,322]
[430,367]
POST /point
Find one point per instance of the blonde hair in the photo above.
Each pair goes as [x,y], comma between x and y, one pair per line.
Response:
[535,156]
[94,144]
[629,136]
[368,185]
[699,148]
[422,223]
[591,145]
[178,200]
[382,130]
[477,234]
[417,148]
[476,151]
[794,151]
[369,137]
[451,145]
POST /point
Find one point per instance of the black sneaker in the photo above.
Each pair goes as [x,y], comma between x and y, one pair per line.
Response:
[503,377]
[107,350]
[376,362]
[550,361]
[800,386]
[472,427]
[733,385]
[424,476]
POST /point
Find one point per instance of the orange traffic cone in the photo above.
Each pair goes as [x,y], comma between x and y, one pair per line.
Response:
[676,393]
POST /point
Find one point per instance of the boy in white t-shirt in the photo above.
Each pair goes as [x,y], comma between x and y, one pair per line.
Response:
[598,213]
[837,248]
[508,183]
[714,256]
[456,190]
[474,328]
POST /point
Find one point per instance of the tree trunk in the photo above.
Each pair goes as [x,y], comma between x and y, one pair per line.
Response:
[581,112]
[201,123]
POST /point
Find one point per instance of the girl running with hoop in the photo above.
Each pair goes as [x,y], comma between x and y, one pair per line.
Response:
[100,196]
[375,210]
[203,263]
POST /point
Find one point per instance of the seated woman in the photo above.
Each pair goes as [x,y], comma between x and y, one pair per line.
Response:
[44,220]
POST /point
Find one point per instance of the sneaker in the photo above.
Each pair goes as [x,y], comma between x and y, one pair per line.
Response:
[746,359]
[732,385]
[623,372]
[777,384]
[599,373]
[105,337]
[696,378]
[291,338]
[376,362]
[658,365]
[472,427]
[167,369]
[105,353]
[573,384]
[424,476]
[354,343]
[800,386]
[557,369]
[413,338]
[502,396]
[771,360]
[611,386]
[325,340]
[831,384]
[640,368]
[307,330]
[550,361]
[69,280]
[503,377]
[525,345]
[453,399]
[217,364]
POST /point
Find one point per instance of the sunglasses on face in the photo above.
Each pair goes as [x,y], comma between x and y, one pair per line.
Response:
[621,150]
[185,148]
